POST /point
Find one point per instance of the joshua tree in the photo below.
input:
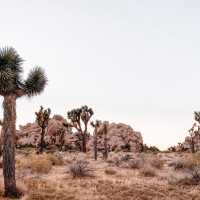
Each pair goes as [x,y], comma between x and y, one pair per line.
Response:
[197,116]
[13,87]
[96,126]
[61,135]
[105,132]
[193,134]
[79,119]
[42,118]
[1,123]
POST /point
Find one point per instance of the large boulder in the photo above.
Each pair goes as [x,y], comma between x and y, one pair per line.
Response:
[30,134]
[120,137]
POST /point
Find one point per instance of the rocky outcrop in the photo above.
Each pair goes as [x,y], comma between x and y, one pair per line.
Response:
[120,137]
[30,133]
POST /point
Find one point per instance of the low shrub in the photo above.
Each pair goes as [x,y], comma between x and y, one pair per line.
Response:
[177,164]
[148,171]
[110,171]
[80,168]
[126,157]
[157,163]
[135,163]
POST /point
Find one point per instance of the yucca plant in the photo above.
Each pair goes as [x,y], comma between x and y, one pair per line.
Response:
[42,118]
[12,87]
[79,119]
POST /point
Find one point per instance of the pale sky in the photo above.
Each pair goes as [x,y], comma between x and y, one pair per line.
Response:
[132,61]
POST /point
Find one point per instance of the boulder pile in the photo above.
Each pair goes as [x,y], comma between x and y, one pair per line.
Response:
[119,136]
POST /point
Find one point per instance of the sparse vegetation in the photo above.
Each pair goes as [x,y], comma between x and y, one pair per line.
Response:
[148,171]
[80,168]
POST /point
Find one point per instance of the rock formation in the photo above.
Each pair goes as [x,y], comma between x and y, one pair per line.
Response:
[29,135]
[120,136]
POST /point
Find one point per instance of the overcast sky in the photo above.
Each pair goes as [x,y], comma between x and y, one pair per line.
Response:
[132,61]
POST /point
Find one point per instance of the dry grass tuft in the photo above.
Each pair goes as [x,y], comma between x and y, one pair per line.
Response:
[36,163]
[56,159]
[110,171]
[40,189]
[148,171]
[157,163]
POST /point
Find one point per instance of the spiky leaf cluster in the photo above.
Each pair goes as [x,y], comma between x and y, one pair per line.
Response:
[197,116]
[42,117]
[96,124]
[11,72]
[35,82]
[84,113]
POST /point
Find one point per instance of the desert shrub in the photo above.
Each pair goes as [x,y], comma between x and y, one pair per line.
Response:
[115,160]
[110,171]
[175,179]
[148,171]
[126,157]
[177,164]
[157,163]
[56,159]
[135,163]
[191,177]
[80,168]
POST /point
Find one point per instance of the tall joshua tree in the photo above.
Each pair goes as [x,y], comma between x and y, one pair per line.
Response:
[95,125]
[42,118]
[105,132]
[12,87]
[79,119]
[194,131]
[1,123]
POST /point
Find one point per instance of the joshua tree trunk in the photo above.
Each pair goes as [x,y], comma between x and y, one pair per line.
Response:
[8,131]
[84,138]
[105,155]
[192,145]
[84,142]
[95,143]
[0,144]
[42,142]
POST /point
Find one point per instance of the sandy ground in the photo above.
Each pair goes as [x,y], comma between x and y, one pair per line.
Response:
[106,182]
